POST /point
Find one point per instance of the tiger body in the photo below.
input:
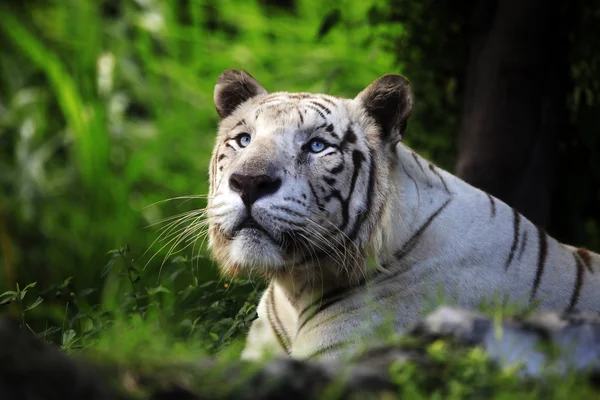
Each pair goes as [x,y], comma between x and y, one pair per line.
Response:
[305,187]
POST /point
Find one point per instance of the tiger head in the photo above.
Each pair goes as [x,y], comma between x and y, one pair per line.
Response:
[299,179]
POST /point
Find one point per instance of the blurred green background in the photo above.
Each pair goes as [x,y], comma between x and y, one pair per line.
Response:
[106,111]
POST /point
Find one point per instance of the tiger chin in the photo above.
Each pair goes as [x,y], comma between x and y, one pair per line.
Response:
[305,187]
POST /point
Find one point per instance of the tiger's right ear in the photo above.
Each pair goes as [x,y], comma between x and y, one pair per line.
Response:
[233,88]
[389,102]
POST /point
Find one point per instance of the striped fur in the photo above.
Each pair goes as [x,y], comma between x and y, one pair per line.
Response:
[365,194]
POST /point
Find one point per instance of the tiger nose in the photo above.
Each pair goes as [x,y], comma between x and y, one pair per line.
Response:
[253,187]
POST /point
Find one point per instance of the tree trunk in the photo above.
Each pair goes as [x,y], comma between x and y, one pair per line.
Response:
[514,103]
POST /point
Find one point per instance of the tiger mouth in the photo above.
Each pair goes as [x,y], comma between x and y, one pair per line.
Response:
[250,225]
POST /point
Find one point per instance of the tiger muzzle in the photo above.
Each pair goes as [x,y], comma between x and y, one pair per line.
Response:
[253,187]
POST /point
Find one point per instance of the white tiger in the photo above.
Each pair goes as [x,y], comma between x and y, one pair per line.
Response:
[303,187]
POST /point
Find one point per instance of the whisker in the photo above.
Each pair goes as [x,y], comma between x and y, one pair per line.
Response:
[190,197]
[167,232]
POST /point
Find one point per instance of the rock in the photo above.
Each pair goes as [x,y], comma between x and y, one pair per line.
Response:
[543,342]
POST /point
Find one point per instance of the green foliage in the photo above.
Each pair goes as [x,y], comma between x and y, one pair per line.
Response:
[106,111]
[204,315]
[455,372]
[106,108]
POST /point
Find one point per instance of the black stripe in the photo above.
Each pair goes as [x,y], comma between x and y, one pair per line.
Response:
[331,347]
[417,161]
[330,130]
[324,321]
[432,168]
[326,297]
[513,248]
[543,253]
[369,197]
[274,320]
[321,106]
[314,193]
[317,110]
[298,95]
[241,122]
[349,137]
[301,116]
[221,156]
[357,159]
[230,146]
[317,309]
[577,285]
[299,293]
[289,211]
[326,100]
[289,222]
[586,258]
[492,204]
[327,300]
[329,181]
[523,244]
[337,169]
[415,183]
[412,241]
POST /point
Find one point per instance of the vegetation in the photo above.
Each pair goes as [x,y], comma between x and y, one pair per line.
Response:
[106,130]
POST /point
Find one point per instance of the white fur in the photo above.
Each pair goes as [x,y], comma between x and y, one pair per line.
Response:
[462,253]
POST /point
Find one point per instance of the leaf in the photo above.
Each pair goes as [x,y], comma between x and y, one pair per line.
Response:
[86,292]
[33,305]
[31,285]
[68,337]
[66,283]
[108,267]
[158,289]
[88,133]
[49,332]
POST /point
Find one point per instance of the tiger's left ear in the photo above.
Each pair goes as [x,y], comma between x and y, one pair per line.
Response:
[388,100]
[233,88]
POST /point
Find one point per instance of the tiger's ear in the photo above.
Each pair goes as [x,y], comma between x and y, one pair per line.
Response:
[389,102]
[233,88]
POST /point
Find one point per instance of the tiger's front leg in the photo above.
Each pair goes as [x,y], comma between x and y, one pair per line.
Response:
[261,342]
[268,335]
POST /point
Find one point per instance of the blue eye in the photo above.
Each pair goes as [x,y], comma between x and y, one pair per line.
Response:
[317,146]
[243,139]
